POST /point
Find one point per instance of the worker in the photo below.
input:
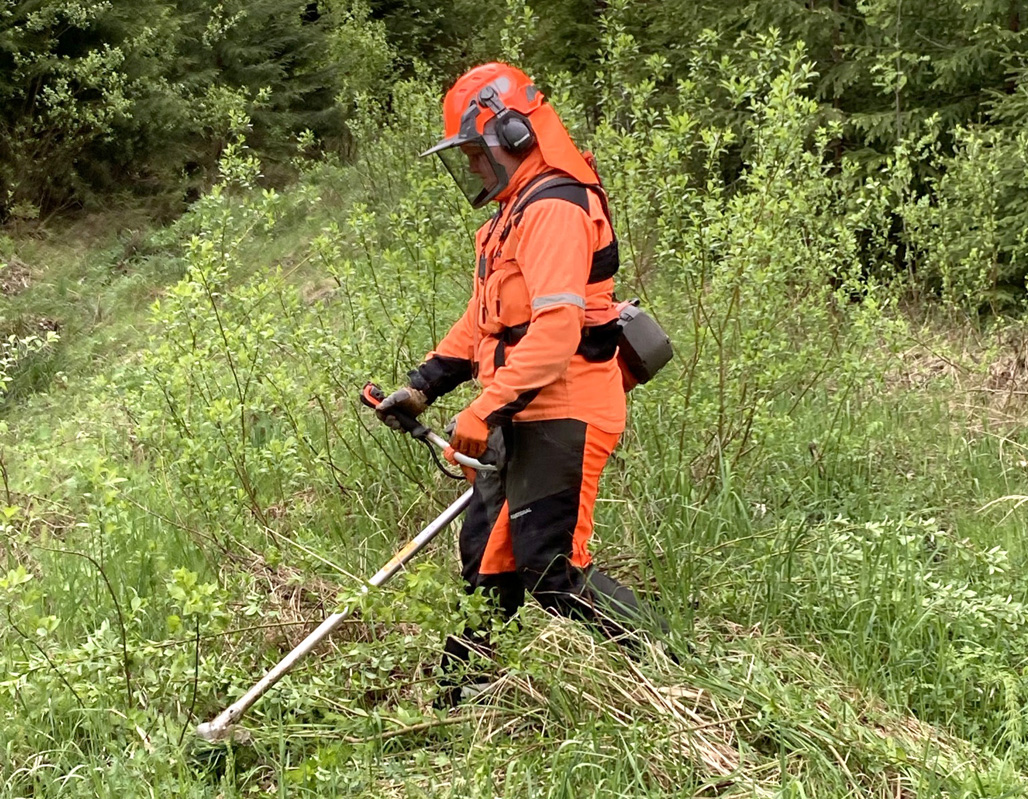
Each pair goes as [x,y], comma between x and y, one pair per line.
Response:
[540,336]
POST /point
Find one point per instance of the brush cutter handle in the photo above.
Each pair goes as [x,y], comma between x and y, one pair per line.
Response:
[220,728]
[372,395]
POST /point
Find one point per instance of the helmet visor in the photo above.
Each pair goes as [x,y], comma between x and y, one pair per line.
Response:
[475,171]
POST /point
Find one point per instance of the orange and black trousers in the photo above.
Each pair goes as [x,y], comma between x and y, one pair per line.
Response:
[528,526]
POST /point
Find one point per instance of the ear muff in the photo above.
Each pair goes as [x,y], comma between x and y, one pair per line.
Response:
[514,132]
[512,128]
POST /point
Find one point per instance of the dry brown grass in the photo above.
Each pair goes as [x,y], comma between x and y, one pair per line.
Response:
[15,277]
[984,376]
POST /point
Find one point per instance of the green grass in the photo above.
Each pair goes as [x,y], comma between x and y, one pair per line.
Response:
[850,621]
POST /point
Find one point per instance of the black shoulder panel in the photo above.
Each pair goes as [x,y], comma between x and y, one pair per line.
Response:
[605,261]
[571,192]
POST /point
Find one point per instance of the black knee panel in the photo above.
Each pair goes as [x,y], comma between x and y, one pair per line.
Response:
[541,536]
[505,590]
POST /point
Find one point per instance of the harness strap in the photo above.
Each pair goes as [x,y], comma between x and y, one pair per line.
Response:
[557,188]
[598,343]
[606,261]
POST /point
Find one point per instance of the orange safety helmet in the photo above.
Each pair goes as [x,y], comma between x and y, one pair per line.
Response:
[497,105]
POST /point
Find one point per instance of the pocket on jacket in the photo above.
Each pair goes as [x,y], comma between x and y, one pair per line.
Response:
[506,297]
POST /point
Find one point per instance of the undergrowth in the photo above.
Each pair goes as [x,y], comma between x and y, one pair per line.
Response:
[809,493]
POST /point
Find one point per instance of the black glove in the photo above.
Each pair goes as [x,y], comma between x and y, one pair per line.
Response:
[409,400]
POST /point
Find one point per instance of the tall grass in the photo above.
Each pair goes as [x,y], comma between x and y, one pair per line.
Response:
[802,494]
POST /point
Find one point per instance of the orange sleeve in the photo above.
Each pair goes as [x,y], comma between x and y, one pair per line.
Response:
[554,252]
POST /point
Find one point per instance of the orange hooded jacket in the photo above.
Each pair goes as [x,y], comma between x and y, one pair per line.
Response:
[539,332]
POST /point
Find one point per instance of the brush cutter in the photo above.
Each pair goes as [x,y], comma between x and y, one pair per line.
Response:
[221,728]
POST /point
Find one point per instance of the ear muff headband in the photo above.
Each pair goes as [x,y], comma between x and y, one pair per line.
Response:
[513,130]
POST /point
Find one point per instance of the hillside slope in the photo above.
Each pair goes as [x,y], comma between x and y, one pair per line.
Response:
[821,495]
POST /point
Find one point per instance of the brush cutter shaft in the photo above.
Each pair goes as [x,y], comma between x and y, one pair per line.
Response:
[401,558]
[218,729]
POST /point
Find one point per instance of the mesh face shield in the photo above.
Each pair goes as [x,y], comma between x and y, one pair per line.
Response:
[474,170]
[469,160]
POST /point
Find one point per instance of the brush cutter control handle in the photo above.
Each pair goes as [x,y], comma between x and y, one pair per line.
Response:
[372,395]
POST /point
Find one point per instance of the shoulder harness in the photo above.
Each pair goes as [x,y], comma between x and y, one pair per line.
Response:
[598,343]
[606,261]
